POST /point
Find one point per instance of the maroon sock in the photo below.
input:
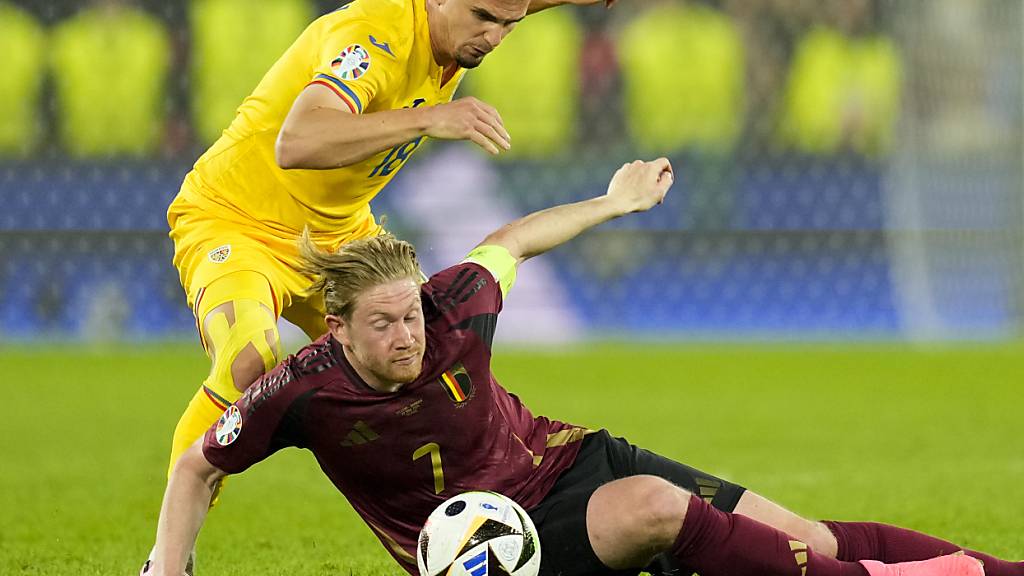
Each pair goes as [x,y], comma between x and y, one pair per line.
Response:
[871,541]
[716,543]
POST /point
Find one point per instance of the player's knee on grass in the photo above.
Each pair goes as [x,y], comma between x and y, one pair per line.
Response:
[243,343]
[633,519]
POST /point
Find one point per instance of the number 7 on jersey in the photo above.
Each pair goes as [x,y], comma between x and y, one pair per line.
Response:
[435,461]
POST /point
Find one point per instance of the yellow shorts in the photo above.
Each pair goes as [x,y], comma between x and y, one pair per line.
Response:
[208,247]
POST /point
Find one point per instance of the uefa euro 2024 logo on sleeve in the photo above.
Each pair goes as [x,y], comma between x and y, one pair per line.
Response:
[229,425]
[352,63]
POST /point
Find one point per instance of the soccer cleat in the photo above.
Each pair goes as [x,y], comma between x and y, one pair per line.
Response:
[951,565]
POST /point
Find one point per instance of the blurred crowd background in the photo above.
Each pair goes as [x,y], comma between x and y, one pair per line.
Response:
[846,168]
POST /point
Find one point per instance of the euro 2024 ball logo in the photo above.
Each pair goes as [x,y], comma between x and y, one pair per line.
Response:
[352,63]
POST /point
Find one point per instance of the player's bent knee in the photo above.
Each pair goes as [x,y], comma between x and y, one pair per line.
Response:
[660,508]
[247,367]
[633,519]
[243,342]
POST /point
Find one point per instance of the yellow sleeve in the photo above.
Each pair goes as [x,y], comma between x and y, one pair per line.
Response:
[357,60]
[499,262]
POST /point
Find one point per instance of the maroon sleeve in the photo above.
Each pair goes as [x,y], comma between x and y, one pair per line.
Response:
[264,420]
[465,296]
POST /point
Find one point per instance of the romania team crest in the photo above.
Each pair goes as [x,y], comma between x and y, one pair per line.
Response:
[352,63]
[229,425]
[457,383]
[219,254]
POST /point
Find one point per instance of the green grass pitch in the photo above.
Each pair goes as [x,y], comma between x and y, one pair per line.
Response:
[930,438]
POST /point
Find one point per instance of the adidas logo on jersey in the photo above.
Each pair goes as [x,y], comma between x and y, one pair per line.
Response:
[360,434]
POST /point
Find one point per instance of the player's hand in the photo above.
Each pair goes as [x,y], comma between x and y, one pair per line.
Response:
[469,119]
[638,186]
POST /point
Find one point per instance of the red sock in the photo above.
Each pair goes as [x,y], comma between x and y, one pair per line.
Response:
[716,543]
[871,541]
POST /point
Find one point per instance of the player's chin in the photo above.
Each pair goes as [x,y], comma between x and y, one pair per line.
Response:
[406,373]
[470,59]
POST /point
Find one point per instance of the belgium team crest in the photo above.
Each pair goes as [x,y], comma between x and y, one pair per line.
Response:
[457,383]
[352,63]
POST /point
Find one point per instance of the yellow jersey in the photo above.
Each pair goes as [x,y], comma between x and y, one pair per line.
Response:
[375,55]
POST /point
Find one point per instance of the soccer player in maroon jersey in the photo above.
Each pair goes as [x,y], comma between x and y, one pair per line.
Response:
[398,405]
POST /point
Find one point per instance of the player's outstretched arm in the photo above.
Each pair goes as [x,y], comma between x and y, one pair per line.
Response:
[636,187]
[321,132]
[186,502]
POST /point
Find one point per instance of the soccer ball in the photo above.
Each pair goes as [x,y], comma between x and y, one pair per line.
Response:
[478,534]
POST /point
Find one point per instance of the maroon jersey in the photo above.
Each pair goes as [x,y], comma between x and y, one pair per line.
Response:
[397,455]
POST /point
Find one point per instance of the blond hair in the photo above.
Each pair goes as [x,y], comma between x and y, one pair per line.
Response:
[356,267]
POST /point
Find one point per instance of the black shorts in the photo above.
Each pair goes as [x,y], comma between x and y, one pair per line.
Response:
[561,517]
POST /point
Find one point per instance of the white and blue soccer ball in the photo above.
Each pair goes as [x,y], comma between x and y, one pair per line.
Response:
[478,534]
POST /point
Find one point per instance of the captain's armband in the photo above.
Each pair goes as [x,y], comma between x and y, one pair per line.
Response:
[499,262]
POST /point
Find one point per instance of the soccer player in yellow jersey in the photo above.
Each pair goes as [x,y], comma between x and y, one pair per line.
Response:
[324,131]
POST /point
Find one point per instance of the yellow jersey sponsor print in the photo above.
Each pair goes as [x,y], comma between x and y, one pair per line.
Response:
[375,55]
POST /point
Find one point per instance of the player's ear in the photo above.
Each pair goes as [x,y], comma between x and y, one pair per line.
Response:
[337,326]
